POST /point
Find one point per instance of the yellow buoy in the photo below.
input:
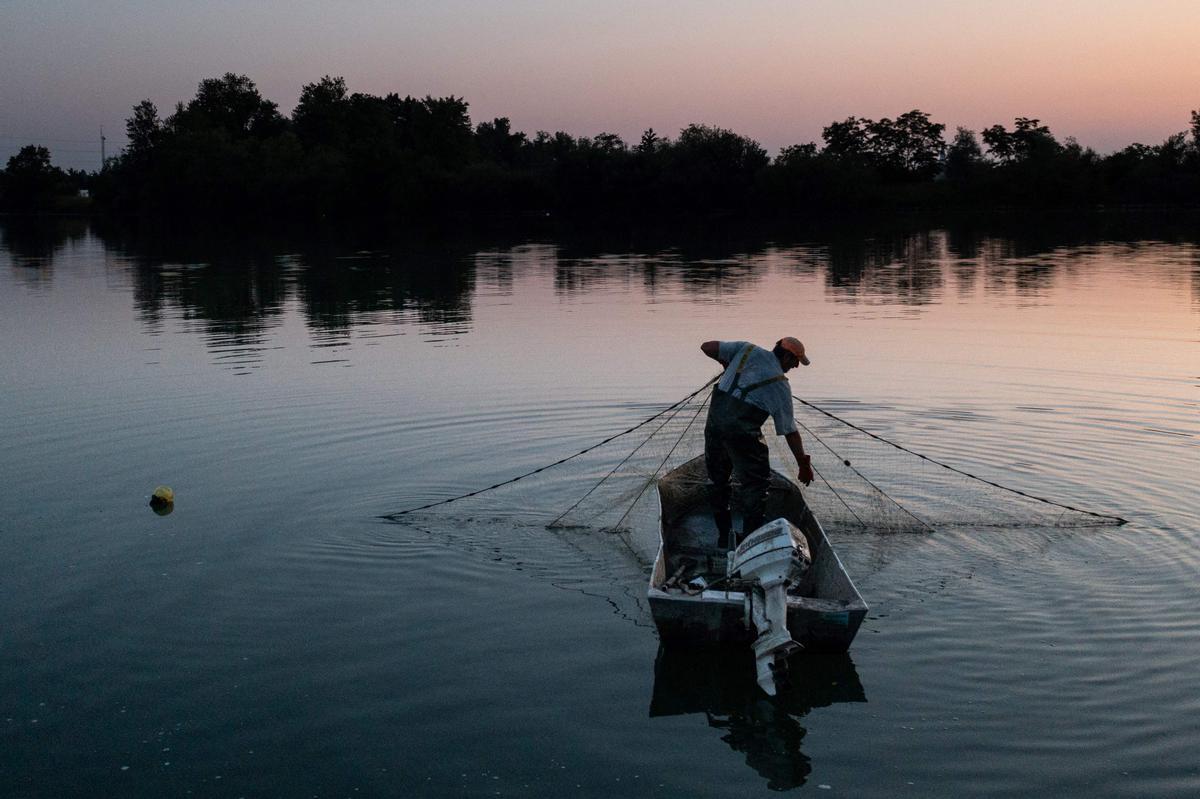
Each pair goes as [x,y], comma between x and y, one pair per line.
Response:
[163,497]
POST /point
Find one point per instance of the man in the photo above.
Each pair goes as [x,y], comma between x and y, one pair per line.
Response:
[753,387]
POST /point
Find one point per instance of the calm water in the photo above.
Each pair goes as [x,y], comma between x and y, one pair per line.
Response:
[272,637]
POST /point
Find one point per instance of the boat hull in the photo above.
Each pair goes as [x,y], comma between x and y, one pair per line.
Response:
[717,618]
[826,615]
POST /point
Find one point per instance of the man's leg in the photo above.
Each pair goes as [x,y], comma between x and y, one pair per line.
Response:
[716,460]
[752,467]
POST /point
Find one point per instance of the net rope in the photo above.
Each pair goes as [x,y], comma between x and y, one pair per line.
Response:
[865,481]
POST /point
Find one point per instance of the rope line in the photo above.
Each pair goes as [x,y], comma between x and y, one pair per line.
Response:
[614,469]
[670,452]
[827,483]
[1117,519]
[866,480]
[674,409]
[395,516]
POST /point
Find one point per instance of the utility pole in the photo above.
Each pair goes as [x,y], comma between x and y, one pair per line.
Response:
[102,159]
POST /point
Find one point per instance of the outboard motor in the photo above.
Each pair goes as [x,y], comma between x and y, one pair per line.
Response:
[775,556]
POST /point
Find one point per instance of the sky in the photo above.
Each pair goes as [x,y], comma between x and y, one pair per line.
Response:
[1108,72]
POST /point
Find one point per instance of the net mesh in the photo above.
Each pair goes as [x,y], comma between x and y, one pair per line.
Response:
[863,483]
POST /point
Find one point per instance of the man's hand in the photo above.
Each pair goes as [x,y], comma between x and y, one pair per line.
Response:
[803,460]
[806,470]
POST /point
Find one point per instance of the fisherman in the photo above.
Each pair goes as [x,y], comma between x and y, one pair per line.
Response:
[753,387]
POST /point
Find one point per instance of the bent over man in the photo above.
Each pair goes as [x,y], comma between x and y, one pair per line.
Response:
[753,387]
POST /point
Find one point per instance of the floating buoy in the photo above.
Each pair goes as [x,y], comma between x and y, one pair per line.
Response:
[163,500]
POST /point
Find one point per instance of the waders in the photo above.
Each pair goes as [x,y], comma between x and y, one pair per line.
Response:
[734,445]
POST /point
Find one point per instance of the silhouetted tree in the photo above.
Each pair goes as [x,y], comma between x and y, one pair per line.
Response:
[436,127]
[497,142]
[31,182]
[31,160]
[1166,173]
[144,128]
[1027,140]
[609,144]
[229,152]
[649,142]
[232,105]
[803,176]
[795,154]
[848,141]
[964,158]
[908,148]
[1034,168]
[321,115]
[713,168]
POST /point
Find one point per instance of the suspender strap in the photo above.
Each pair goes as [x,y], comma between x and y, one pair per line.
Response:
[745,356]
[762,383]
[741,365]
[737,376]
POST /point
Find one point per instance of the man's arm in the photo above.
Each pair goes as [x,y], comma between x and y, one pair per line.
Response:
[802,460]
[713,350]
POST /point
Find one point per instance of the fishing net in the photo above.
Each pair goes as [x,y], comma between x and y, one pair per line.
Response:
[864,482]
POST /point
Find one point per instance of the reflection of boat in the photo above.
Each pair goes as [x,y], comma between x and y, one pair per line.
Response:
[721,685]
[694,602]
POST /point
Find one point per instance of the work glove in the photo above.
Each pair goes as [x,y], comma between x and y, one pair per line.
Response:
[806,470]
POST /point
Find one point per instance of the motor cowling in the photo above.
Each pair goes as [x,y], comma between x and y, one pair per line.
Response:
[773,557]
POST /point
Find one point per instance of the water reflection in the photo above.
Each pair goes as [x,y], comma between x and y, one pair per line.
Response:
[894,270]
[339,292]
[235,293]
[702,277]
[236,290]
[33,244]
[721,686]
[1196,278]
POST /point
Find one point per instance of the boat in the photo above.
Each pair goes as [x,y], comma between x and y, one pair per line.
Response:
[702,596]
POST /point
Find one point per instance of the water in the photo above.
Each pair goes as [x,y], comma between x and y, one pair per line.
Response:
[272,637]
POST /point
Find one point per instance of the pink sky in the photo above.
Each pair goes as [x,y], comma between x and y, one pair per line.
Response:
[1107,72]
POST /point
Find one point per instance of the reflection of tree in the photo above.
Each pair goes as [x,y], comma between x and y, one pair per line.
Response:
[1026,268]
[235,298]
[493,275]
[1196,279]
[237,289]
[721,685]
[437,289]
[701,264]
[232,297]
[340,292]
[905,269]
[703,279]
[963,247]
[33,243]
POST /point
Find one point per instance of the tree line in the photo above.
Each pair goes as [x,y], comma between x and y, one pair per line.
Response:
[228,152]
[30,182]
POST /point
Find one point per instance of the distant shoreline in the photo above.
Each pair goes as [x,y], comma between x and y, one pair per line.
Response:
[228,155]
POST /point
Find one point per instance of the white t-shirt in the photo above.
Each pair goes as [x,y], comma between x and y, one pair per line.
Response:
[774,398]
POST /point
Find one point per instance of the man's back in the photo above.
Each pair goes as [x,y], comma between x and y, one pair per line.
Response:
[774,397]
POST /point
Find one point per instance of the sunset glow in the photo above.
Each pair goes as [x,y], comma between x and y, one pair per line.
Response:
[1107,73]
